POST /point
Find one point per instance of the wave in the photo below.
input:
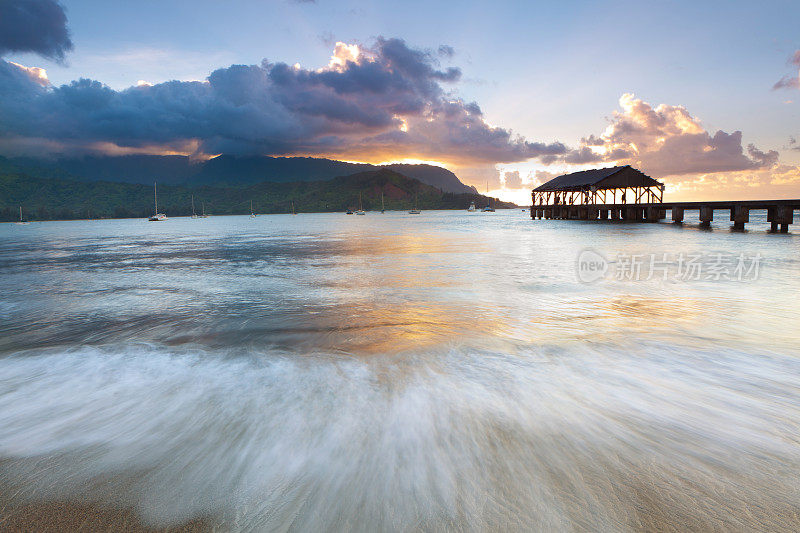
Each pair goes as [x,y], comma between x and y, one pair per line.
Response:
[587,437]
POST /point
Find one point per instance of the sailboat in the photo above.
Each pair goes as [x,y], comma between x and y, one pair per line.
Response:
[415,211]
[22,221]
[488,208]
[382,207]
[471,207]
[194,215]
[360,210]
[252,214]
[157,217]
[203,215]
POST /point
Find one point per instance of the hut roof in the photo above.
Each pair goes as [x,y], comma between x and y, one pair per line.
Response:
[599,178]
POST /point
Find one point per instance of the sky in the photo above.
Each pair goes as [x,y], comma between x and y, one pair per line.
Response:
[701,95]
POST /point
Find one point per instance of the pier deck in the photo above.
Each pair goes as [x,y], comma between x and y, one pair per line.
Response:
[780,213]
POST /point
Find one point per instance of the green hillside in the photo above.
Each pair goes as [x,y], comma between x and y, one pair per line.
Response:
[221,171]
[48,199]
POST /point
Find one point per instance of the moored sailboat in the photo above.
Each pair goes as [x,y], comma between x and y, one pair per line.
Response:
[22,221]
[415,211]
[488,208]
[157,217]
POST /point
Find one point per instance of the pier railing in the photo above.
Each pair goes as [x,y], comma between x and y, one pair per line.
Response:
[780,213]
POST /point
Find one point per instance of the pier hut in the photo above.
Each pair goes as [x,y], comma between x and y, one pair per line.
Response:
[586,194]
[624,193]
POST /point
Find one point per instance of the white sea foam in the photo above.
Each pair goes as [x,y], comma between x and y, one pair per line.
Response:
[549,438]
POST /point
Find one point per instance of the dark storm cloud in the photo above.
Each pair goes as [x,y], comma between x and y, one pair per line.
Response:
[387,98]
[38,26]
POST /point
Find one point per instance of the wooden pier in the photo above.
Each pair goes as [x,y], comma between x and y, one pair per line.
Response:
[584,196]
[780,213]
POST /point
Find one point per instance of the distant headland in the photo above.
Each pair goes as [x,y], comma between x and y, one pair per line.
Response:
[122,187]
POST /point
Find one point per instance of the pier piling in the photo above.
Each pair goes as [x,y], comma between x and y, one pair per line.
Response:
[655,213]
[780,217]
[740,215]
[706,216]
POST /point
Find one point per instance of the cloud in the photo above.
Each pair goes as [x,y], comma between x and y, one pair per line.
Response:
[764,159]
[793,145]
[386,100]
[36,74]
[446,51]
[38,26]
[787,82]
[666,140]
[779,181]
[512,180]
[790,81]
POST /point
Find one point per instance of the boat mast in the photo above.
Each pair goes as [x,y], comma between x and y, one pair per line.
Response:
[20,213]
[155,195]
[193,213]
[382,206]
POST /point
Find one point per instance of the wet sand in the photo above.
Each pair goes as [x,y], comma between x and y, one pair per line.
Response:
[653,499]
[63,516]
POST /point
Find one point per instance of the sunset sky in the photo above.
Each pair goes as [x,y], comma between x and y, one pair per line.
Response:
[702,95]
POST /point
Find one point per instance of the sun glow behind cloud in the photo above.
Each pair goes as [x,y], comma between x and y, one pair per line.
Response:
[411,161]
[36,74]
[342,53]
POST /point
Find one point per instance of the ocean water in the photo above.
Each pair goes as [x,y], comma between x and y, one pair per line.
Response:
[448,371]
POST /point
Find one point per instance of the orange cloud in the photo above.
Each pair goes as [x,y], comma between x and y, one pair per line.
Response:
[36,74]
[666,140]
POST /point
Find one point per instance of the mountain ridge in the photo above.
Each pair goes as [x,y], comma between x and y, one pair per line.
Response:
[55,198]
[223,170]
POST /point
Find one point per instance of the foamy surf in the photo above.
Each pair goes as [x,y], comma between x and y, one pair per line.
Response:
[540,437]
